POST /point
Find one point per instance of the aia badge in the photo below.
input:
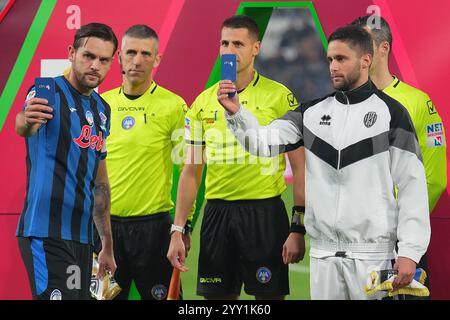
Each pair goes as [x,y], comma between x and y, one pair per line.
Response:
[89,117]
[159,292]
[263,275]
[88,140]
[128,123]
[370,118]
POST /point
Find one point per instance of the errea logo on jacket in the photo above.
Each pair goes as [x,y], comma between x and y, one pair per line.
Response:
[326,120]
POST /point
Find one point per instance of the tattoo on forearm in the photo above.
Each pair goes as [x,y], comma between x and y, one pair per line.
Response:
[102,201]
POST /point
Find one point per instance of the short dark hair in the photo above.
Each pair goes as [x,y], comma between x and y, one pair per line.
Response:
[379,34]
[242,21]
[355,36]
[96,30]
[141,31]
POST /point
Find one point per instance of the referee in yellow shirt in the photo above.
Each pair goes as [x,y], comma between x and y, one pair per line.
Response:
[425,117]
[141,150]
[245,235]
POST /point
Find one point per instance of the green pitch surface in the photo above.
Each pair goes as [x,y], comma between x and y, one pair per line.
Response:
[298,273]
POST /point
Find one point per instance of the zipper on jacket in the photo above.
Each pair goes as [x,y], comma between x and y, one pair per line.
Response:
[344,125]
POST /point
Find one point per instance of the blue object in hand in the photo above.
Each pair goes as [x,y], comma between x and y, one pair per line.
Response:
[228,69]
[45,89]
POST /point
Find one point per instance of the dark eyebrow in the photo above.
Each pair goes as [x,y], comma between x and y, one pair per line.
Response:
[136,51]
[87,52]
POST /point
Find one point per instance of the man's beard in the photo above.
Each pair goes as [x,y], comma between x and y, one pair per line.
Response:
[84,83]
[349,81]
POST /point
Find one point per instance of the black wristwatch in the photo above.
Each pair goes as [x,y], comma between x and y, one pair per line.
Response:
[297,222]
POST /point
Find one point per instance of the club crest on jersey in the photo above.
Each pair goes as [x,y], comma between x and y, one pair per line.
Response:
[89,117]
[31,94]
[159,292]
[128,123]
[103,118]
[263,275]
[370,118]
[88,140]
[56,295]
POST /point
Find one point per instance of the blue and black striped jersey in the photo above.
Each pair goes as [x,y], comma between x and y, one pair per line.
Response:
[62,161]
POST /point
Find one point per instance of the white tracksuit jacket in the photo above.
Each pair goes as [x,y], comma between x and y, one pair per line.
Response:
[359,145]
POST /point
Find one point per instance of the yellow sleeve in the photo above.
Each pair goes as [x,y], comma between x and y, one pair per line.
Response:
[431,135]
[193,127]
[288,101]
[188,133]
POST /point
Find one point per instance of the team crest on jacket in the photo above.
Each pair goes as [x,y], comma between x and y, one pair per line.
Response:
[370,118]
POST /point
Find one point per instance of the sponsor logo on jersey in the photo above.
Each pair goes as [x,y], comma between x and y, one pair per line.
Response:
[263,275]
[72,109]
[88,140]
[128,123]
[292,100]
[187,123]
[56,295]
[326,120]
[89,117]
[431,108]
[435,135]
[159,292]
[370,118]
[130,109]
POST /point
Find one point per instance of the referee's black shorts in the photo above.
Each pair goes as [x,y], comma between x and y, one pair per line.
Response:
[241,243]
[140,250]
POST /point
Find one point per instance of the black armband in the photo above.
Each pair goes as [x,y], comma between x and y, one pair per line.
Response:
[297,223]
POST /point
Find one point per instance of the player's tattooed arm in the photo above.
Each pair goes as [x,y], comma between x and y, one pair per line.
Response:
[102,208]
[101,212]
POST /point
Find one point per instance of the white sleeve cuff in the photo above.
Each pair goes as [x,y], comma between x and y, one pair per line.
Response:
[409,253]
[233,116]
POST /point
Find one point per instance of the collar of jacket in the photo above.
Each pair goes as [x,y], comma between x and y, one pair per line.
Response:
[356,95]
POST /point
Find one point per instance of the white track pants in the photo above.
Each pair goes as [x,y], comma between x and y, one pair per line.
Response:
[336,278]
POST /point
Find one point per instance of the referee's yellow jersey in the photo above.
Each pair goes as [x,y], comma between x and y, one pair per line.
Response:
[430,133]
[232,173]
[145,133]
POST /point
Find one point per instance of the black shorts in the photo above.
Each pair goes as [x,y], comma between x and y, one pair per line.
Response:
[241,242]
[140,250]
[57,269]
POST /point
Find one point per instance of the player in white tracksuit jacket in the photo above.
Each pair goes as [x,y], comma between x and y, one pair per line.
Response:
[360,144]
